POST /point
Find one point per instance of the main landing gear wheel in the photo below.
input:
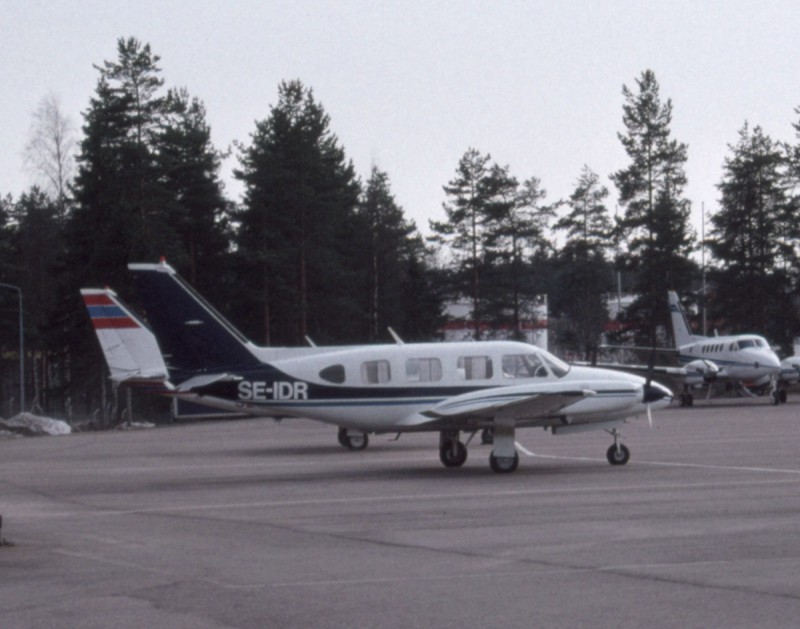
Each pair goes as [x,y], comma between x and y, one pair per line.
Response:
[687,399]
[618,455]
[778,397]
[453,453]
[354,441]
[487,436]
[503,464]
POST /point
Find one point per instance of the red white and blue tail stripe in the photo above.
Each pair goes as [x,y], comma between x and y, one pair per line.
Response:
[129,347]
[106,313]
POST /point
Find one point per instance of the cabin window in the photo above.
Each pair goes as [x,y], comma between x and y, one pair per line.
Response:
[423,369]
[523,366]
[474,367]
[334,373]
[375,371]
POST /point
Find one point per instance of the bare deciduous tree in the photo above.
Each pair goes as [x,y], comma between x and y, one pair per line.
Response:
[49,153]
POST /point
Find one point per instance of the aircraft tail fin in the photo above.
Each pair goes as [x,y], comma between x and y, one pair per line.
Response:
[192,334]
[130,348]
[680,326]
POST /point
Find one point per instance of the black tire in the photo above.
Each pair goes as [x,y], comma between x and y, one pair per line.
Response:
[487,436]
[453,454]
[618,457]
[503,464]
[358,441]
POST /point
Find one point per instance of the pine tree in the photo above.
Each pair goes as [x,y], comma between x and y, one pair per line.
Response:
[118,193]
[386,247]
[38,252]
[465,228]
[196,210]
[751,240]
[584,266]
[297,226]
[655,224]
[147,186]
[516,230]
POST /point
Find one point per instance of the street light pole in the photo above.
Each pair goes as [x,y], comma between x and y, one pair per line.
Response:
[21,347]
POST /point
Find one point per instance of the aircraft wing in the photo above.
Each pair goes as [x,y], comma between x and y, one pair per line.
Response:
[525,403]
[672,377]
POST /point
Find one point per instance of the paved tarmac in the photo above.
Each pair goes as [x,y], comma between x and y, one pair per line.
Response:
[253,524]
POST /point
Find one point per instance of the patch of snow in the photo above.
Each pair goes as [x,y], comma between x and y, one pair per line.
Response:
[34,425]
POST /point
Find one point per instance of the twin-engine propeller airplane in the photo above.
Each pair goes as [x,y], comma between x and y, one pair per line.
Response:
[745,360]
[194,354]
[741,358]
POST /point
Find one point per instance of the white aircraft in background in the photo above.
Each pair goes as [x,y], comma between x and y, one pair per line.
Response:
[743,359]
[449,388]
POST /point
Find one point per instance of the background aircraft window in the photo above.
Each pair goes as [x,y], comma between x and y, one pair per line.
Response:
[334,373]
[523,366]
[475,367]
[375,371]
[423,369]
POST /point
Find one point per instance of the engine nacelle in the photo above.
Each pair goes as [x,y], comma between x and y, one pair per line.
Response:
[790,369]
[706,370]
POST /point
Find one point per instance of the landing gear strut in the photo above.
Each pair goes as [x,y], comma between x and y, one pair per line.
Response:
[777,393]
[504,458]
[687,399]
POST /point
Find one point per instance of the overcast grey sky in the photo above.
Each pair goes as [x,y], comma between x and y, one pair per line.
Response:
[411,85]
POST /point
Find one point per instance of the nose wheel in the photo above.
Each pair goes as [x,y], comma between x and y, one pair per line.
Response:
[618,453]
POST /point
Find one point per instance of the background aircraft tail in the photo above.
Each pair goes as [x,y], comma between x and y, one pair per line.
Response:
[130,348]
[192,334]
[680,326]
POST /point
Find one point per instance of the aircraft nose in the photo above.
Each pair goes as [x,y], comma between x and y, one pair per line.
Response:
[768,361]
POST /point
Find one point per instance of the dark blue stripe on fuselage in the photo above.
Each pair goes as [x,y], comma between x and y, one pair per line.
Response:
[269,379]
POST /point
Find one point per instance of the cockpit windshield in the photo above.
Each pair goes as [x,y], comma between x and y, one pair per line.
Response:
[753,342]
[533,365]
[557,366]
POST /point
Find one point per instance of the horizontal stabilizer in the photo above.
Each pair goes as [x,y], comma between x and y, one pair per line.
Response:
[198,382]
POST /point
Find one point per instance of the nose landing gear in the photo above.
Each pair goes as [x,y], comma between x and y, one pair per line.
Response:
[618,453]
